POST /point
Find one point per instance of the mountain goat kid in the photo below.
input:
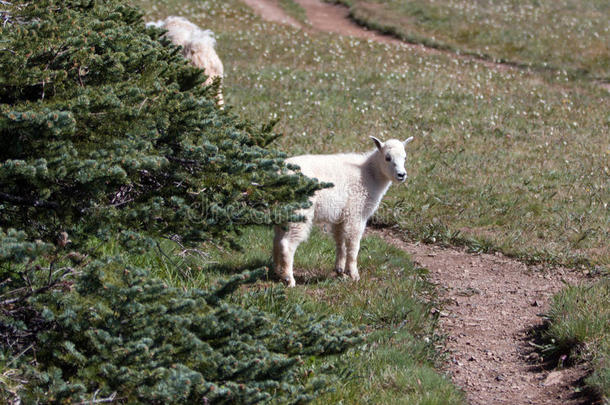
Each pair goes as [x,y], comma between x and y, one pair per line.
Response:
[360,181]
[197,46]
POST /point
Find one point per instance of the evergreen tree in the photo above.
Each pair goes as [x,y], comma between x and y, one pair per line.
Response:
[96,115]
[107,133]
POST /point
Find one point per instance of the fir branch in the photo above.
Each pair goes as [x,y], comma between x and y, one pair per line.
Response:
[32,292]
[14,359]
[111,398]
[123,196]
[28,202]
[183,161]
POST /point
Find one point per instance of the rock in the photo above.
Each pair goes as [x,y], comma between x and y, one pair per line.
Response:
[553,378]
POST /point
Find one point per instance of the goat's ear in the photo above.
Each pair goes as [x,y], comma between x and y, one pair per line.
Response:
[378,143]
[406,141]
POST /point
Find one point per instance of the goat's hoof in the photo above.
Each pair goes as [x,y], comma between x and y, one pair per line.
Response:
[339,270]
[289,282]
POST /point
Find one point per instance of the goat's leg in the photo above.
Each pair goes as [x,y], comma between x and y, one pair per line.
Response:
[278,259]
[338,230]
[352,244]
[285,245]
[283,255]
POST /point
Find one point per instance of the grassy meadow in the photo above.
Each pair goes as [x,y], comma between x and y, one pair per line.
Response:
[504,159]
[570,36]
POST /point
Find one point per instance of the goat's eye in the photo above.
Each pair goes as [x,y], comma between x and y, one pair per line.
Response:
[388,158]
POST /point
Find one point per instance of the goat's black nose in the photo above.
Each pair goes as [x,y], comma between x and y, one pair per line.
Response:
[401,176]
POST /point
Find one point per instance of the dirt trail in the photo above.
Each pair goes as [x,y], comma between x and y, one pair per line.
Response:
[325,17]
[491,302]
[270,11]
[334,18]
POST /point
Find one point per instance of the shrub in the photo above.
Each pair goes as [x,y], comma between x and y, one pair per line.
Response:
[138,339]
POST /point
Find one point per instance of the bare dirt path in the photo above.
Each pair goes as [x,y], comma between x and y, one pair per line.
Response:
[334,18]
[491,303]
[270,11]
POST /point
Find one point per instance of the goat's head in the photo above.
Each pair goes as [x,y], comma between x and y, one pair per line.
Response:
[392,158]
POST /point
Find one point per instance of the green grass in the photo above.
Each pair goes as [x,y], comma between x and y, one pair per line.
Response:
[579,325]
[568,35]
[294,10]
[391,303]
[504,159]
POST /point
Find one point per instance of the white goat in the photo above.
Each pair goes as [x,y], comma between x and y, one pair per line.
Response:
[197,46]
[360,181]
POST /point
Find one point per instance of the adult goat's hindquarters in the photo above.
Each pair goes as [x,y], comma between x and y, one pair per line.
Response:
[360,182]
[198,46]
